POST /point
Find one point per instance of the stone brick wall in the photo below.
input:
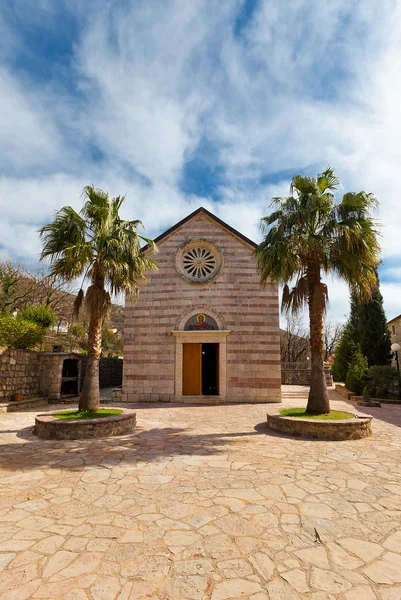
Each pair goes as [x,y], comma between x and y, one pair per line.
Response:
[248,311]
[18,373]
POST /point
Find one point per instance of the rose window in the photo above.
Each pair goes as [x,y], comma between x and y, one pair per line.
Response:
[199,261]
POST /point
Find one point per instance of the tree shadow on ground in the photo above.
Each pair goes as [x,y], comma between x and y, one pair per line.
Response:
[141,446]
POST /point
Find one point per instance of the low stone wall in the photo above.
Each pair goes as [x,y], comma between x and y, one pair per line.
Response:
[347,429]
[294,376]
[18,373]
[6,407]
[51,428]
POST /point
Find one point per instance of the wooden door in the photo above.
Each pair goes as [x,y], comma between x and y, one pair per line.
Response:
[192,370]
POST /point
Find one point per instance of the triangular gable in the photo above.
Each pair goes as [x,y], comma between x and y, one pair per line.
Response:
[213,217]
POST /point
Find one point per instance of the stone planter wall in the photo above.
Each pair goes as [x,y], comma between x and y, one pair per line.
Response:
[51,428]
[347,429]
[18,373]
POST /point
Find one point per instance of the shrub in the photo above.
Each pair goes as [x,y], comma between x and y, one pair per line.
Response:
[343,355]
[40,315]
[355,380]
[380,379]
[17,333]
[366,393]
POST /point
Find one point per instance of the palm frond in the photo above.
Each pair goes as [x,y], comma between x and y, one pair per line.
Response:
[294,300]
[78,303]
[98,301]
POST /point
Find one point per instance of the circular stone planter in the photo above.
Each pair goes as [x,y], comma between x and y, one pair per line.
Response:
[347,429]
[51,428]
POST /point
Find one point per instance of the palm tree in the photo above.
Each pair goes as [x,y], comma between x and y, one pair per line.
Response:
[307,235]
[106,250]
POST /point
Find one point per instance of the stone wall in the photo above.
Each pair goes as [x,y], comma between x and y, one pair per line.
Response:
[294,376]
[110,372]
[250,313]
[18,373]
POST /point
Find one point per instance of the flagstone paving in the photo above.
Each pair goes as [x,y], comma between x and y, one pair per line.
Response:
[201,503]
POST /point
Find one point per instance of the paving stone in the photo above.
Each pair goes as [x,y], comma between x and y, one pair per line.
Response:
[49,545]
[363,592]
[234,588]
[5,559]
[393,542]
[262,564]
[58,561]
[316,556]
[106,588]
[328,581]
[280,590]
[367,551]
[297,579]
[234,568]
[387,570]
[180,515]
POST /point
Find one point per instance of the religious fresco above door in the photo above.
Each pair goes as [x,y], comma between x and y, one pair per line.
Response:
[200,322]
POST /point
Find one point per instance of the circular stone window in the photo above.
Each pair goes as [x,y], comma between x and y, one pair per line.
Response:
[199,261]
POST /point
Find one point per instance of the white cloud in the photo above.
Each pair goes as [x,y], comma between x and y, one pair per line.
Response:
[298,89]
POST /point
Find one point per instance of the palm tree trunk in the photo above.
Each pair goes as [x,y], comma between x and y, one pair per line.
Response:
[318,400]
[90,395]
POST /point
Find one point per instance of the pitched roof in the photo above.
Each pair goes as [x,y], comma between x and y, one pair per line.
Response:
[210,215]
[393,319]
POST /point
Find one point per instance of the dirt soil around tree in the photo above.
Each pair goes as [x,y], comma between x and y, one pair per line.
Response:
[201,503]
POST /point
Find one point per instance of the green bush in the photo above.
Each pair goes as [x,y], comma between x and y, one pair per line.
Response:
[40,315]
[17,333]
[366,393]
[343,355]
[355,380]
[381,379]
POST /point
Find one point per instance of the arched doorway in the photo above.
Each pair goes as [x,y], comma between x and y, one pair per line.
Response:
[201,349]
[200,375]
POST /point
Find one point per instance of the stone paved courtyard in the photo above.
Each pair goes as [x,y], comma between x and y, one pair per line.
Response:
[203,502]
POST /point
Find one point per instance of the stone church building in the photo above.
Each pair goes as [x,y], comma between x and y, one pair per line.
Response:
[203,330]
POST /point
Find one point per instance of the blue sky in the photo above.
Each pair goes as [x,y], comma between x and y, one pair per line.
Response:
[180,104]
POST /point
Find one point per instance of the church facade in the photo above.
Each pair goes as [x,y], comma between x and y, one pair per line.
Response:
[203,330]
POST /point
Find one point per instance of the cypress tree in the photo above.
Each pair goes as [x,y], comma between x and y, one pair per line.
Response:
[369,329]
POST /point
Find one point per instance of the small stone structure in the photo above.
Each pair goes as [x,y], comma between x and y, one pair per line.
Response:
[51,428]
[59,374]
[50,374]
[346,429]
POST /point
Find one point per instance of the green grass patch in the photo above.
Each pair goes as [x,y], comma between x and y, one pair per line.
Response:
[333,415]
[87,414]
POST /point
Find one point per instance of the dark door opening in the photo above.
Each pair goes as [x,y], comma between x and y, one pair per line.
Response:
[69,387]
[70,367]
[69,378]
[210,369]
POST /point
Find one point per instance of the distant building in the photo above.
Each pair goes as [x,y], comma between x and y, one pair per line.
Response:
[394,326]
